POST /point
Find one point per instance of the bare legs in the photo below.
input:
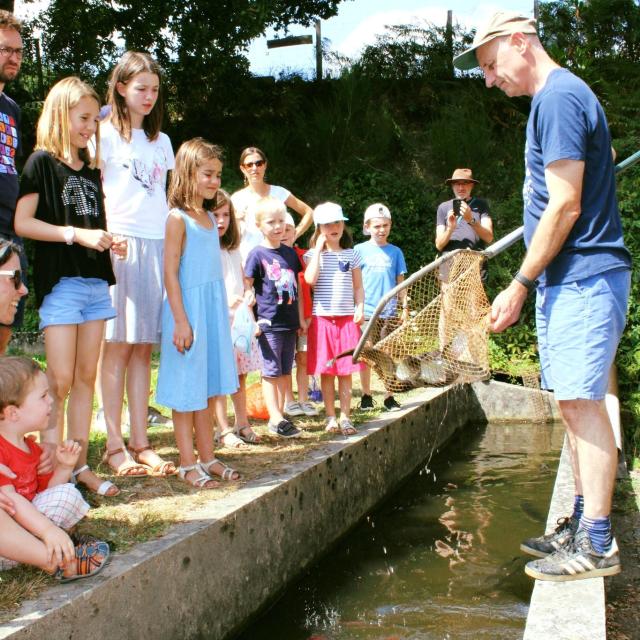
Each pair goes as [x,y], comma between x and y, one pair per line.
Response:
[72,358]
[128,365]
[274,390]
[327,383]
[594,453]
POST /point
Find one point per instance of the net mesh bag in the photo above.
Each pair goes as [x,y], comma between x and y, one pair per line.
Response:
[434,331]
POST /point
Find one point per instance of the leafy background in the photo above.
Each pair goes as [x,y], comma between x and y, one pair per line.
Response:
[390,125]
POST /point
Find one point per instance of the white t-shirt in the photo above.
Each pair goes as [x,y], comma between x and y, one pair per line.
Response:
[242,203]
[232,272]
[134,178]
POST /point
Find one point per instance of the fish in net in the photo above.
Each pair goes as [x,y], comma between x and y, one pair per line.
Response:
[432,329]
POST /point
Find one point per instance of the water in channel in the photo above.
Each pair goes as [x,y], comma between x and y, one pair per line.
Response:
[440,558]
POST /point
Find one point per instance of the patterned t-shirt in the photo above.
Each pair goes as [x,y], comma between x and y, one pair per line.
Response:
[9,148]
[275,280]
[134,175]
[66,198]
[333,291]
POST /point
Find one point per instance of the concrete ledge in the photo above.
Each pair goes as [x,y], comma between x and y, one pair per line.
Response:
[566,610]
[206,578]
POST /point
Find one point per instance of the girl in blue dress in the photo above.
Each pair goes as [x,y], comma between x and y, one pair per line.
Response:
[197,363]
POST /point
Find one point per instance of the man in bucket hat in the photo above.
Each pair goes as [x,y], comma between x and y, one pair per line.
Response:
[467,224]
[576,253]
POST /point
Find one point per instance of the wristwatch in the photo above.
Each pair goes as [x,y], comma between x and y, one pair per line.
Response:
[69,235]
[530,285]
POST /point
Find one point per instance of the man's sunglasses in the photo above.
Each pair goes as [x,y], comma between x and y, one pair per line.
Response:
[15,275]
[257,164]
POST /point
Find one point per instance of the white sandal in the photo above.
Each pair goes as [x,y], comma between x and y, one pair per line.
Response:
[230,440]
[201,480]
[102,489]
[227,472]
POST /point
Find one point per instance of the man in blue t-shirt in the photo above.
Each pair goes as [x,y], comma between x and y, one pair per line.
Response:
[383,267]
[576,252]
[10,61]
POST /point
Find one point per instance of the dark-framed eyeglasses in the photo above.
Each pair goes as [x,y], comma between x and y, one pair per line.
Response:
[257,164]
[15,275]
[7,52]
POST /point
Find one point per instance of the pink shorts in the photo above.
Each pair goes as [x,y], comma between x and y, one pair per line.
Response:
[328,337]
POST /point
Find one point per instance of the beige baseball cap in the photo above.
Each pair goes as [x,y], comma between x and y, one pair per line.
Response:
[502,23]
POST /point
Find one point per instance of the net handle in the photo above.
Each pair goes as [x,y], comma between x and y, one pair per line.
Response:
[490,252]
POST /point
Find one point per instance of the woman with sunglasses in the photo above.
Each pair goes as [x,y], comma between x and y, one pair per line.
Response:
[253,165]
[12,287]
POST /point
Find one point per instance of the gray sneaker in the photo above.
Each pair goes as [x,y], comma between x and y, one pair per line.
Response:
[542,546]
[577,560]
[293,409]
[308,409]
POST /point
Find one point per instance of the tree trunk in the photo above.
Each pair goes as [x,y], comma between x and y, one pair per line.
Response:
[7,5]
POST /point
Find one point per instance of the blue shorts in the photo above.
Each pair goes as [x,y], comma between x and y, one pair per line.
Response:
[76,301]
[278,349]
[579,327]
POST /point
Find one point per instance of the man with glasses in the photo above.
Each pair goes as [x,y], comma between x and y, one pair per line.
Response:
[10,61]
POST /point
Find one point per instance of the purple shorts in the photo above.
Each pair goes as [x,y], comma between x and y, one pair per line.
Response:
[278,349]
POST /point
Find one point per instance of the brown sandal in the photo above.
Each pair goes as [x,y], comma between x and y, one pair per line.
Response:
[128,467]
[163,469]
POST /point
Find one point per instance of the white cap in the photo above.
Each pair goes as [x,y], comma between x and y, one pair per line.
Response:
[288,219]
[377,210]
[328,212]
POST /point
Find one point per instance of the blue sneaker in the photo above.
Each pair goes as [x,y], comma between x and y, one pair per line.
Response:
[284,429]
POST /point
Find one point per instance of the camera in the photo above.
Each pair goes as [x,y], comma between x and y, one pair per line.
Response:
[456,205]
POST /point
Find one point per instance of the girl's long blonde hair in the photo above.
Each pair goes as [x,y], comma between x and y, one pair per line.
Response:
[131,64]
[183,188]
[52,133]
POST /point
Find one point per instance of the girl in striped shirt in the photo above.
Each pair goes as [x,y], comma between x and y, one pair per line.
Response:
[333,270]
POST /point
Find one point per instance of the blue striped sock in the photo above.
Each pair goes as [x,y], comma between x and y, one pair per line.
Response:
[578,507]
[599,530]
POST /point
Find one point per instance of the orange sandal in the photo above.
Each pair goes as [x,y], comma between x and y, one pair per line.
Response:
[91,558]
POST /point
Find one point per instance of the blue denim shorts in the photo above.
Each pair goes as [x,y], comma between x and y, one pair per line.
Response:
[579,327]
[75,301]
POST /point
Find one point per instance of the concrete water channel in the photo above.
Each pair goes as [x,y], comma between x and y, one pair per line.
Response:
[211,577]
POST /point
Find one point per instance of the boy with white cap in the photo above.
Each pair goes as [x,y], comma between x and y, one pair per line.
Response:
[383,267]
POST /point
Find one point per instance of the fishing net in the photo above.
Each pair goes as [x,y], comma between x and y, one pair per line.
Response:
[432,330]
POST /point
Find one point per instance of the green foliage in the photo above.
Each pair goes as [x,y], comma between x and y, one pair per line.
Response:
[391,127]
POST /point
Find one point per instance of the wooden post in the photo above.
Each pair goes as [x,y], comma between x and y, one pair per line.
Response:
[318,50]
[449,41]
[39,69]
[535,10]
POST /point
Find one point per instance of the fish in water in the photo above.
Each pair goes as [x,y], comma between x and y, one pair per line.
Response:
[434,371]
[408,369]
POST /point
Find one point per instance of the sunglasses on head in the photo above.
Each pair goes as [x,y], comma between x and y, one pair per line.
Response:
[257,164]
[15,275]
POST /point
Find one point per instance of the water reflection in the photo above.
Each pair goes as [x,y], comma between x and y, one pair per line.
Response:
[440,559]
